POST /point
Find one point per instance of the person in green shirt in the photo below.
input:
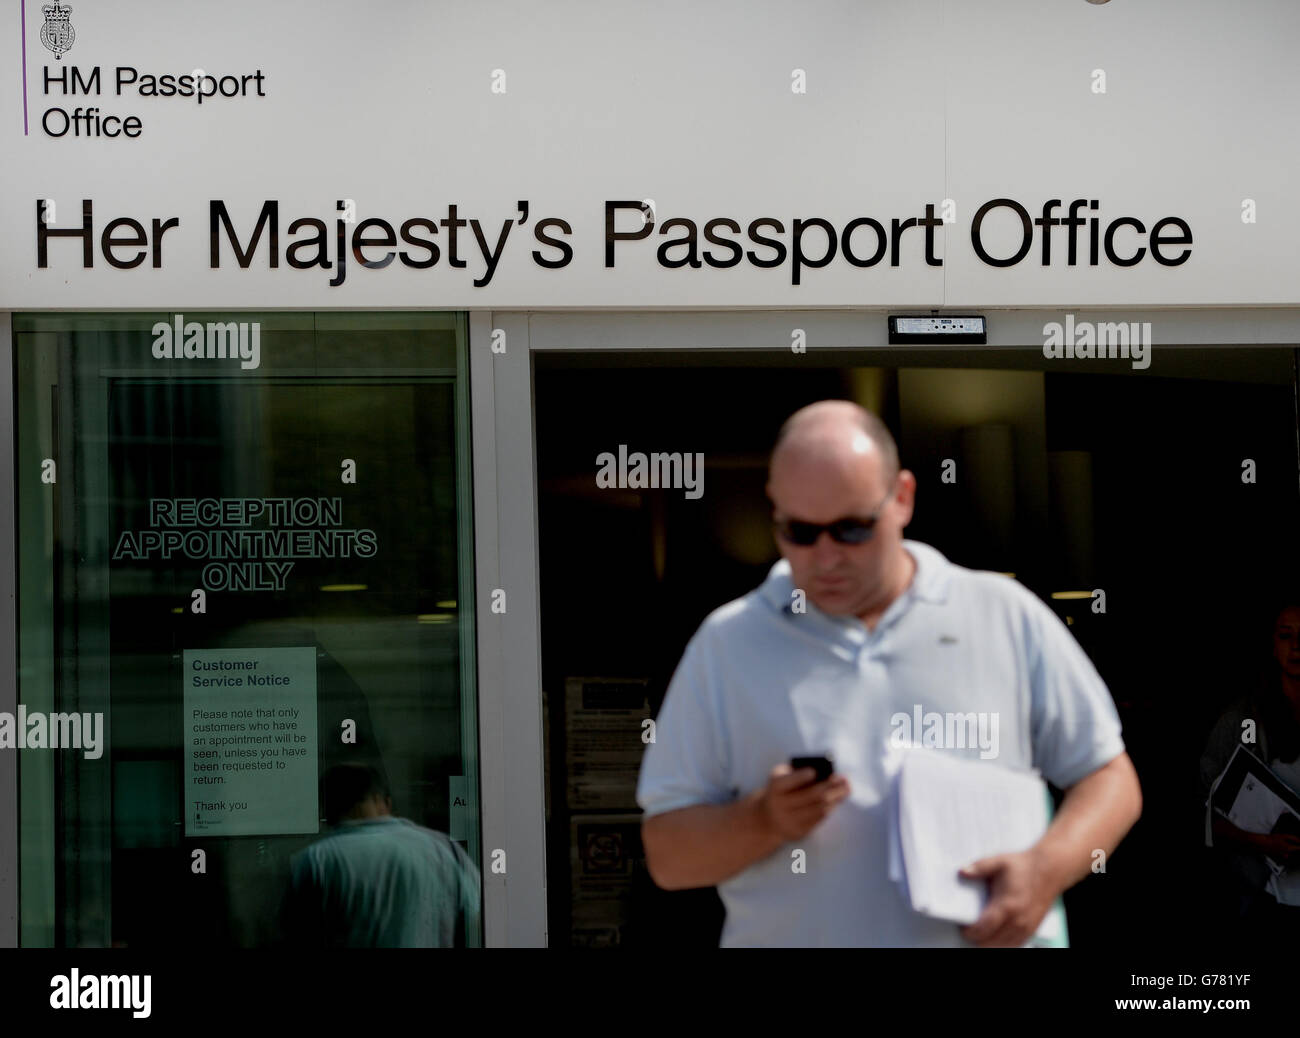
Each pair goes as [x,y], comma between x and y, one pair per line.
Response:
[377,881]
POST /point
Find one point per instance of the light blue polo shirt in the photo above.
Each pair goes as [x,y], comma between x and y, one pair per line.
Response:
[760,682]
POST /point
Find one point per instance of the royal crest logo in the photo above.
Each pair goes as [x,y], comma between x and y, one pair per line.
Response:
[57,33]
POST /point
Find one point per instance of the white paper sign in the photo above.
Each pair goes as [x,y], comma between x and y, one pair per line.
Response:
[250,742]
[461,816]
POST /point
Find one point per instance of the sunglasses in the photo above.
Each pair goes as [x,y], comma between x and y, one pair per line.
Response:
[843,531]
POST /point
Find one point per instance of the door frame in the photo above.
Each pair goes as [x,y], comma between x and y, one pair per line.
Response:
[502,347]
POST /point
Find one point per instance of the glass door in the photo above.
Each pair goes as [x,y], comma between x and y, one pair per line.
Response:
[244,552]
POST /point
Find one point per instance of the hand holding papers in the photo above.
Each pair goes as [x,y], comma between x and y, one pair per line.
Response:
[1252,796]
[950,812]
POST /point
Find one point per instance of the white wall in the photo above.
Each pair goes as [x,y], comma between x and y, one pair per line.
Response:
[391,104]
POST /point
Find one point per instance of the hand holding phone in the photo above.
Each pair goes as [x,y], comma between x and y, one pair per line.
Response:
[792,806]
[822,765]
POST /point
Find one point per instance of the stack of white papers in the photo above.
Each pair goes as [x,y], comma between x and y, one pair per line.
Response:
[1257,799]
[950,811]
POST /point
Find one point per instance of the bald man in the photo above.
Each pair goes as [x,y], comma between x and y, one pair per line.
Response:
[854,627]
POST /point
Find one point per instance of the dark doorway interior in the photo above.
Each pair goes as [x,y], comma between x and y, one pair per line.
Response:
[1174,489]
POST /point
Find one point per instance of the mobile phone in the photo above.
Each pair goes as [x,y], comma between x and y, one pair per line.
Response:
[822,764]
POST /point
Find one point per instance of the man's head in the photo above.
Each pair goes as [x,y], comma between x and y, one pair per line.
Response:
[835,460]
[1286,641]
[355,790]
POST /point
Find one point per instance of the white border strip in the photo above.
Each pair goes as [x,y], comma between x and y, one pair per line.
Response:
[509,647]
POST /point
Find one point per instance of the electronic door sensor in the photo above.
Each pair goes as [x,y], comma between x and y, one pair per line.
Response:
[945,328]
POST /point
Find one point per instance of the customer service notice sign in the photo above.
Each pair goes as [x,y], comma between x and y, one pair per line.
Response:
[330,154]
[250,741]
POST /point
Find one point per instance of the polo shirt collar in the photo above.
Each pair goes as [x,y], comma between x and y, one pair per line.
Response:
[929,583]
